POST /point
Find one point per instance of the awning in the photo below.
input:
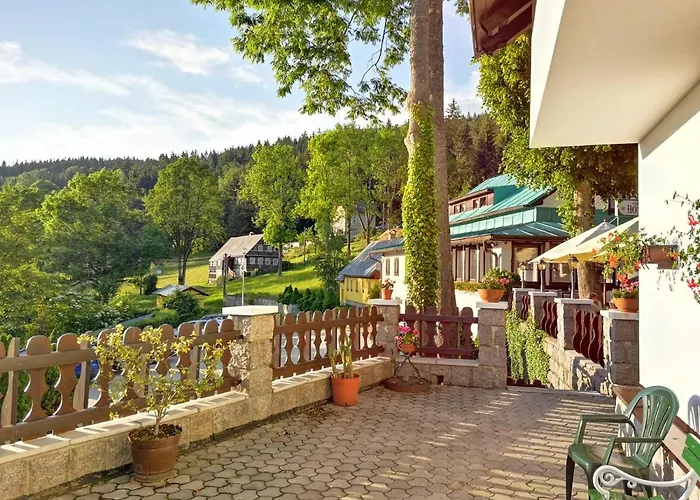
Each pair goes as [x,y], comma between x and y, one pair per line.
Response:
[562,253]
[589,250]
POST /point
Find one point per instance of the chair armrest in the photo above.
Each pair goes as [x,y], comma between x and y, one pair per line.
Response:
[627,440]
[607,477]
[601,418]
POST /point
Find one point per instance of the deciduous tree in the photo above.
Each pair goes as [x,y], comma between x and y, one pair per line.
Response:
[186,204]
[273,184]
[578,173]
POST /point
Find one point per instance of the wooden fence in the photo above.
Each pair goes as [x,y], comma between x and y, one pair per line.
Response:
[444,335]
[549,321]
[301,342]
[588,336]
[524,307]
[73,393]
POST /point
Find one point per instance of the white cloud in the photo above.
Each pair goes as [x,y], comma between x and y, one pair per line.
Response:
[16,68]
[182,51]
[247,75]
[465,94]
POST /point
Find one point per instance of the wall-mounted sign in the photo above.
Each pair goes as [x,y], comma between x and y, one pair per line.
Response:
[627,208]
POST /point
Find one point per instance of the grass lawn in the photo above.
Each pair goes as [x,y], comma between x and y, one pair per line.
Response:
[197,271]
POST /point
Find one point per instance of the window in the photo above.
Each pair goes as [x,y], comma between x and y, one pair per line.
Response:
[267,261]
[387,267]
[396,266]
[560,273]
[523,255]
[472,263]
[275,261]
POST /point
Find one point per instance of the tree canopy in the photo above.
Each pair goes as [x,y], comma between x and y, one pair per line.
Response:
[186,204]
[273,184]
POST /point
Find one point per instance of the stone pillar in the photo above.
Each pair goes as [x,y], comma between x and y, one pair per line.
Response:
[537,304]
[492,371]
[621,346]
[252,357]
[566,309]
[518,294]
[387,329]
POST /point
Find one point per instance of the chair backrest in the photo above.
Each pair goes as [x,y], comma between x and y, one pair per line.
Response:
[691,453]
[659,408]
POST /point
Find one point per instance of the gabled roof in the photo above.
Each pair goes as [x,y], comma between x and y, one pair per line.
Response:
[167,291]
[363,266]
[508,196]
[237,246]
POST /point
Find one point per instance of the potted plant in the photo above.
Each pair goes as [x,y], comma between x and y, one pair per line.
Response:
[407,338]
[492,289]
[626,297]
[154,448]
[345,384]
[387,289]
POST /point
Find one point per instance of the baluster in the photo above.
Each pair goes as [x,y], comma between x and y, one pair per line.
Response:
[302,344]
[598,352]
[317,319]
[228,335]
[586,342]
[468,319]
[430,327]
[330,338]
[66,379]
[37,386]
[188,362]
[82,390]
[9,403]
[373,325]
[132,335]
[211,328]
[578,330]
[105,376]
[290,319]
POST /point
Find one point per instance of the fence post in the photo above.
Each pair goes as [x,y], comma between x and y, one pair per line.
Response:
[566,326]
[388,328]
[492,371]
[621,346]
[9,403]
[537,304]
[251,357]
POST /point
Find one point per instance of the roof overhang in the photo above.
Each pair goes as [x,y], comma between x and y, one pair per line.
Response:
[497,22]
[606,72]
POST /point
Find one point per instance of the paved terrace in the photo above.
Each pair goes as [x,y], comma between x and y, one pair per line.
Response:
[451,443]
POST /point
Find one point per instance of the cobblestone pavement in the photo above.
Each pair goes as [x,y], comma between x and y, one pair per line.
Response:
[450,443]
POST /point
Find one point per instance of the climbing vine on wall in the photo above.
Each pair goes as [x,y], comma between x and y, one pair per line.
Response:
[420,214]
[528,359]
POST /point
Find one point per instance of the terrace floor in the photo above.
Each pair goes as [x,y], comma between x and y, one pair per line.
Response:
[449,443]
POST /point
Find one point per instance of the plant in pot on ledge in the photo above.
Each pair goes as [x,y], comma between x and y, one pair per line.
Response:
[387,289]
[345,384]
[492,288]
[626,297]
[407,339]
[154,448]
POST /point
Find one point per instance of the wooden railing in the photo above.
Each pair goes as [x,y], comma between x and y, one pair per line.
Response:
[524,307]
[301,342]
[588,336]
[74,408]
[444,335]
[548,323]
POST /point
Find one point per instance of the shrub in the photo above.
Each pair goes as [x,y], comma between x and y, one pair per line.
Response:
[528,358]
[186,305]
[128,306]
[467,286]
[286,296]
[318,300]
[375,291]
[149,283]
[295,297]
[162,317]
[331,299]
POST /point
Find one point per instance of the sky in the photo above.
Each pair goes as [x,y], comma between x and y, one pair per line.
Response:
[134,78]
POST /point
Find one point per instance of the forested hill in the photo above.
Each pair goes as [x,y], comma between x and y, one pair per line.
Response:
[142,173]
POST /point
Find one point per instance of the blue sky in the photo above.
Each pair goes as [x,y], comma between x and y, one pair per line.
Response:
[135,78]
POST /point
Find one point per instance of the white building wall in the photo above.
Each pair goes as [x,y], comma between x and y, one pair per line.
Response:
[669,325]
[400,289]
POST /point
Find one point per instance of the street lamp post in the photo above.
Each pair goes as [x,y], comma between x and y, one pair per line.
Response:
[523,269]
[541,266]
[573,269]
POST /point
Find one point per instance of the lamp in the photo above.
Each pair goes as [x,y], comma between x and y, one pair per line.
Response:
[541,265]
[523,269]
[573,268]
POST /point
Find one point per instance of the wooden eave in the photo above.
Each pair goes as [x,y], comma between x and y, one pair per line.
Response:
[495,23]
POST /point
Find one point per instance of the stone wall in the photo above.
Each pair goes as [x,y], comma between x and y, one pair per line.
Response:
[571,371]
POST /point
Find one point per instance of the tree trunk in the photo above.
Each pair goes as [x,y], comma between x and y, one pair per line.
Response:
[348,225]
[437,97]
[584,203]
[368,234]
[181,278]
[180,273]
[279,259]
[304,251]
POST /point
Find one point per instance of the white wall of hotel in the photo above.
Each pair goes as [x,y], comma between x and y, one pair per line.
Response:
[618,72]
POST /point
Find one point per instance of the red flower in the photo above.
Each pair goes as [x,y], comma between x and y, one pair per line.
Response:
[692,221]
[692,284]
[674,255]
[623,279]
[698,267]
[617,237]
[637,265]
[595,251]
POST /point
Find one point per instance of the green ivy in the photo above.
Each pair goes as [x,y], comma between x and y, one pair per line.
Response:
[528,358]
[420,213]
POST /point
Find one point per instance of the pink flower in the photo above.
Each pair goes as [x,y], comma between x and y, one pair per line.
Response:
[504,281]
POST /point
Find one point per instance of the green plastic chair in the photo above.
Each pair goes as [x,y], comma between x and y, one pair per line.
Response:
[659,406]
[607,477]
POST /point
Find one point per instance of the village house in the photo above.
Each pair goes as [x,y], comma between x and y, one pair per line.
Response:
[163,293]
[243,253]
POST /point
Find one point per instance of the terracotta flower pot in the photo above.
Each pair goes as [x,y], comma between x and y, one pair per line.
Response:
[154,459]
[490,295]
[627,305]
[386,293]
[407,348]
[345,390]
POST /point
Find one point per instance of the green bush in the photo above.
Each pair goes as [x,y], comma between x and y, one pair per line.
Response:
[186,305]
[286,296]
[515,337]
[467,286]
[129,306]
[295,297]
[375,291]
[162,317]
[150,283]
[331,299]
